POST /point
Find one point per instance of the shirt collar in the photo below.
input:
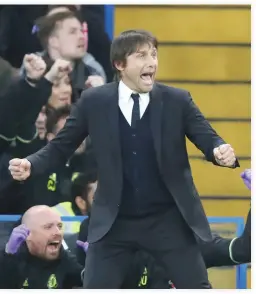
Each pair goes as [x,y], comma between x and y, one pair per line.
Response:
[125,92]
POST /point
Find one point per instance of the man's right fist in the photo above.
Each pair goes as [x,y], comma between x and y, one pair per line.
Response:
[20,169]
[59,69]
[34,65]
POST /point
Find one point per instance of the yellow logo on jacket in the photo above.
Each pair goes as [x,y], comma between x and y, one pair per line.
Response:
[144,278]
[52,282]
[25,284]
[52,182]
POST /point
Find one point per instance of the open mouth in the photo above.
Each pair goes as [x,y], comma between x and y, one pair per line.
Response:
[54,245]
[81,46]
[63,99]
[147,77]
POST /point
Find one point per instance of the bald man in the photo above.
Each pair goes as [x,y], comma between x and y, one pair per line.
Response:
[34,257]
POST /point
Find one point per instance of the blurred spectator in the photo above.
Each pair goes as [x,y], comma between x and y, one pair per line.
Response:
[16,122]
[19,124]
[52,187]
[61,93]
[16,22]
[34,258]
[83,189]
[41,124]
[88,58]
[16,38]
[66,41]
[98,40]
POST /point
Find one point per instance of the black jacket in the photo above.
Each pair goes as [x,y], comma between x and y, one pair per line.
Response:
[173,117]
[19,108]
[22,270]
[20,105]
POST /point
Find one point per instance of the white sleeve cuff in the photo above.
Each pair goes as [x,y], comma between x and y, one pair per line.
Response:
[64,244]
[230,250]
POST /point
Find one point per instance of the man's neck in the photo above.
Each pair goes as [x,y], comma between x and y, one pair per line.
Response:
[54,55]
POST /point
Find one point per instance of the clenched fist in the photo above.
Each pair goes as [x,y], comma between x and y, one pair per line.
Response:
[225,155]
[94,81]
[20,169]
[34,65]
[59,69]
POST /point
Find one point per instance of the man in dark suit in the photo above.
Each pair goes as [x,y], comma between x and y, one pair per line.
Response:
[146,198]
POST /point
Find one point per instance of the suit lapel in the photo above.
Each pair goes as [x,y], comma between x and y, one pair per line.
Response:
[156,104]
[112,125]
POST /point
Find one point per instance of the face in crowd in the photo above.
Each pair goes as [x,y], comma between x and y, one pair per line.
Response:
[68,39]
[84,24]
[46,234]
[61,93]
[59,126]
[60,96]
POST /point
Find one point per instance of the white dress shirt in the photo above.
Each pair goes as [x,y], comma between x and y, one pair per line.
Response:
[126,102]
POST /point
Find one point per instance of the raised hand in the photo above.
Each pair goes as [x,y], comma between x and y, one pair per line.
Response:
[94,81]
[34,65]
[225,155]
[20,169]
[17,238]
[59,69]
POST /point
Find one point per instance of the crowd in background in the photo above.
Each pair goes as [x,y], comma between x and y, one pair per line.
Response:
[36,98]
[34,105]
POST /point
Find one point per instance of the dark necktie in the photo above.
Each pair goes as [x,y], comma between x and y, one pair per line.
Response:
[135,110]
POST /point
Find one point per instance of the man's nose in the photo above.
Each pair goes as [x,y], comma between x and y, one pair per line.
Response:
[57,231]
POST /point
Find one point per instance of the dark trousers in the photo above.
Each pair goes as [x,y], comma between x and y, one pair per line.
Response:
[166,236]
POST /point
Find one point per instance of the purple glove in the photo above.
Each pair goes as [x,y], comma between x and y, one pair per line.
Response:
[83,245]
[246,176]
[18,236]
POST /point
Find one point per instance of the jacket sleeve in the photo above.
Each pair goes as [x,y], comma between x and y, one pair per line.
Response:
[199,131]
[26,132]
[60,149]
[225,252]
[10,105]
[19,108]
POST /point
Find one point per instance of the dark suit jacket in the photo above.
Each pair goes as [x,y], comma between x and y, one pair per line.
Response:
[173,116]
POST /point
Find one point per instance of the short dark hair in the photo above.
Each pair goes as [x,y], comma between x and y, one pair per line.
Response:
[128,43]
[81,182]
[54,115]
[47,24]
[69,7]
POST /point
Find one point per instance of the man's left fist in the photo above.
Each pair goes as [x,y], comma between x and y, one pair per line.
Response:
[225,155]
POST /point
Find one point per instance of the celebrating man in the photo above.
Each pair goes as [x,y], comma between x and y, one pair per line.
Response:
[146,198]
